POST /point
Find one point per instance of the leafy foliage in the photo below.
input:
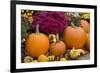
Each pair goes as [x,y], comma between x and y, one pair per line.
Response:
[25,25]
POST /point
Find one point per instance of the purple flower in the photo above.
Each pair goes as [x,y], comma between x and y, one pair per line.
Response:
[48,21]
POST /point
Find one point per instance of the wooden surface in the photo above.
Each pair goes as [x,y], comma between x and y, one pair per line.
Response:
[85,57]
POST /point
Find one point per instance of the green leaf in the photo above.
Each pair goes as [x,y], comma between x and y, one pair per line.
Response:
[25,25]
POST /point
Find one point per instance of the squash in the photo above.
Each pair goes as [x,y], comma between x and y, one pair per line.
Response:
[57,48]
[85,25]
[74,37]
[75,53]
[43,58]
[36,44]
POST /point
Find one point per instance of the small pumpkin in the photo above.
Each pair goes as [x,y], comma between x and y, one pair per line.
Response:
[63,59]
[43,58]
[36,44]
[88,42]
[74,37]
[85,25]
[57,48]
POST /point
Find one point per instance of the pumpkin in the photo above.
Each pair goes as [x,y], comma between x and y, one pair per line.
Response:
[36,44]
[88,42]
[85,25]
[57,48]
[43,58]
[74,37]
[63,59]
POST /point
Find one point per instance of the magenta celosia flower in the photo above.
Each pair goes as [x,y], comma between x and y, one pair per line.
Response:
[48,21]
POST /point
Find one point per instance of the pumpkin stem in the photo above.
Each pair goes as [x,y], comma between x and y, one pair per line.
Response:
[75,18]
[37,28]
[73,48]
[72,24]
[57,36]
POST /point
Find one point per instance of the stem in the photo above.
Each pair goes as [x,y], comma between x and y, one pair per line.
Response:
[57,36]
[72,24]
[37,28]
[73,48]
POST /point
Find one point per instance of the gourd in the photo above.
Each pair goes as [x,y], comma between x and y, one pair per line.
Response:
[57,48]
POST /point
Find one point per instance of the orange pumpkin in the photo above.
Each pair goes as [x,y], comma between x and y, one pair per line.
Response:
[88,42]
[36,44]
[85,25]
[57,48]
[74,37]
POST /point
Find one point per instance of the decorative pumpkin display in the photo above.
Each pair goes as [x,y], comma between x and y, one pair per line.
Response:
[74,37]
[37,44]
[88,42]
[58,47]
[63,36]
[85,25]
